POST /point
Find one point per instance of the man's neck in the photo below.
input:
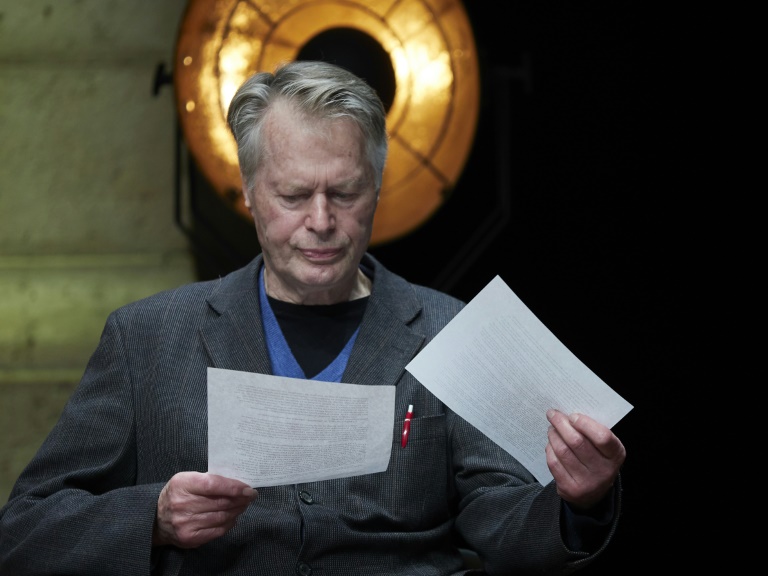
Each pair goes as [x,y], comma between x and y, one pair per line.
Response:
[361,287]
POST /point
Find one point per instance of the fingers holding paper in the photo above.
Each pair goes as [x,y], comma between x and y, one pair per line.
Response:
[194,508]
[584,457]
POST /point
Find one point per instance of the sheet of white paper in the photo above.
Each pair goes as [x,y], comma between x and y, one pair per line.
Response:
[269,430]
[500,368]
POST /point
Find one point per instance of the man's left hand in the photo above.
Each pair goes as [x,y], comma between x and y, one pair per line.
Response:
[584,457]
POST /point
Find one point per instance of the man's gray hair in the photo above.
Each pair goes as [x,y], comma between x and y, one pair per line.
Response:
[318,89]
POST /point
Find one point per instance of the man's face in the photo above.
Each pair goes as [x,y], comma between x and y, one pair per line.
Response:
[313,203]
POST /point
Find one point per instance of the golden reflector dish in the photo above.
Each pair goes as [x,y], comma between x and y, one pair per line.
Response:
[432,107]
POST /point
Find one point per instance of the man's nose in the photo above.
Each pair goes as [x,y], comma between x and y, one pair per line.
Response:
[320,216]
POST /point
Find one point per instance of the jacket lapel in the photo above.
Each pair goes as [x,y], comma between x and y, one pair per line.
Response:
[233,337]
[386,342]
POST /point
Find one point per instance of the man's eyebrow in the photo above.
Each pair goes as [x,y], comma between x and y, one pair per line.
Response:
[352,182]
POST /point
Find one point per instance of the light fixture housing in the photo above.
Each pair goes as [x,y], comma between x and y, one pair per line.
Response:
[432,107]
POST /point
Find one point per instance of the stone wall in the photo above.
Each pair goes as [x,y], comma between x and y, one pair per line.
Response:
[86,194]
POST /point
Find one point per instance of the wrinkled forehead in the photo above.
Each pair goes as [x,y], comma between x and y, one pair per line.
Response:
[286,122]
[284,110]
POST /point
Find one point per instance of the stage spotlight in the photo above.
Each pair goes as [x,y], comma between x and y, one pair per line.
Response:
[420,56]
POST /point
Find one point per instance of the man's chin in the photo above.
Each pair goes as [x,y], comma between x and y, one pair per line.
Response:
[321,275]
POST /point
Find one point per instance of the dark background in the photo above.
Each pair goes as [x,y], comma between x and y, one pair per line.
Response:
[617,188]
[588,191]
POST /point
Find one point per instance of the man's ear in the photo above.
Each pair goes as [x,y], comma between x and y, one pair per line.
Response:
[246,197]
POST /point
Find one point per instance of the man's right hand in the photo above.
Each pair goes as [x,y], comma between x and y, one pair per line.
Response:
[195,507]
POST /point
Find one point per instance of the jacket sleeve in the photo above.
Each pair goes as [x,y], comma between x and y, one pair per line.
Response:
[76,508]
[515,524]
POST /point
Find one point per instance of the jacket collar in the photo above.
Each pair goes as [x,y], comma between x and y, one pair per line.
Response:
[234,337]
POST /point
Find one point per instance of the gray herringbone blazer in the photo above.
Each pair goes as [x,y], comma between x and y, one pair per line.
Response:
[86,503]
